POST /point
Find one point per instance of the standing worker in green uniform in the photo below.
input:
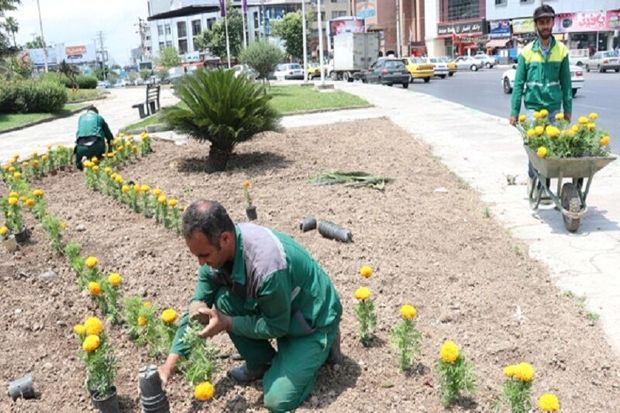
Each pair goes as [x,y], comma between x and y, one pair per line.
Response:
[91,136]
[258,284]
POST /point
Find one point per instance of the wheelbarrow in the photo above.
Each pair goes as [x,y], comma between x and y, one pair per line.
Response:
[570,197]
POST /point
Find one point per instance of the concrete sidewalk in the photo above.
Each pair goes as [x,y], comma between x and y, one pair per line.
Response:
[483,149]
[116,109]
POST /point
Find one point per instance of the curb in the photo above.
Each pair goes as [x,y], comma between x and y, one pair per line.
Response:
[50,119]
[308,112]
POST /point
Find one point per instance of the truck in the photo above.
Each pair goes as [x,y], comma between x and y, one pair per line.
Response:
[353,53]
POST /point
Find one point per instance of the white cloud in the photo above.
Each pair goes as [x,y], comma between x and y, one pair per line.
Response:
[75,22]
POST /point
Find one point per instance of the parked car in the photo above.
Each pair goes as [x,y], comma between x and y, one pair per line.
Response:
[286,71]
[486,60]
[604,61]
[440,67]
[386,71]
[244,70]
[468,63]
[419,68]
[452,69]
[103,84]
[314,70]
[576,72]
[578,57]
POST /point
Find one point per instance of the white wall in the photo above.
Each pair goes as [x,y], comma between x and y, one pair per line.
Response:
[173,36]
[514,8]
[434,46]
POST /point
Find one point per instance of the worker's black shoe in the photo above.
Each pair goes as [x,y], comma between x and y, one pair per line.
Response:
[243,375]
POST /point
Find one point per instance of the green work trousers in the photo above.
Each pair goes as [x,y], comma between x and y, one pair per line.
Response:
[294,367]
[96,149]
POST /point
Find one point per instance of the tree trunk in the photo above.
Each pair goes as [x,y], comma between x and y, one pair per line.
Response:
[218,158]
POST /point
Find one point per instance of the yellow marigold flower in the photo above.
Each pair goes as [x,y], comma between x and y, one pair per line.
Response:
[12,169]
[119,179]
[87,164]
[3,231]
[575,128]
[94,288]
[29,203]
[362,293]
[571,133]
[204,391]
[115,279]
[13,201]
[79,329]
[509,371]
[35,154]
[38,193]
[247,184]
[539,130]
[13,194]
[91,343]
[549,403]
[93,326]
[593,116]
[44,158]
[591,126]
[541,152]
[552,131]
[522,118]
[583,120]
[146,188]
[35,163]
[17,175]
[147,304]
[63,226]
[156,191]
[604,140]
[524,372]
[531,133]
[172,203]
[408,312]
[125,189]
[366,271]
[25,164]
[91,262]
[162,199]
[544,113]
[536,115]
[169,316]
[141,321]
[559,116]
[95,168]
[449,352]
[107,170]
[49,147]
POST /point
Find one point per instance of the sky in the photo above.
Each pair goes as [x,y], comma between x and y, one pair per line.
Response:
[76,22]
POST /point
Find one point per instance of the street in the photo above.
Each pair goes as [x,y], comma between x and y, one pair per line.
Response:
[483,91]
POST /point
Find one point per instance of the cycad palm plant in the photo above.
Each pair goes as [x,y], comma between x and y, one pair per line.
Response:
[223,109]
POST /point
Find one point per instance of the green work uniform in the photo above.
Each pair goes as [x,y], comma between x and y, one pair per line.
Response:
[546,78]
[275,290]
[91,135]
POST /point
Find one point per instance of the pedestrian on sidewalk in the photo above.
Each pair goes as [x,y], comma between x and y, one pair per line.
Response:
[91,137]
[543,70]
[257,285]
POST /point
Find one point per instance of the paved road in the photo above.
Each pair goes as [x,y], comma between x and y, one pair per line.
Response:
[483,91]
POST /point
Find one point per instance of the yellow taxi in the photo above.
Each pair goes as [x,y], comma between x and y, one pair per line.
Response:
[315,71]
[451,65]
[419,68]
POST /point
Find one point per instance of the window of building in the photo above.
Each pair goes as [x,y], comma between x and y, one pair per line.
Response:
[527,1]
[160,30]
[182,46]
[196,27]
[463,9]
[168,43]
[210,23]
[323,15]
[168,30]
[338,13]
[161,45]
[181,29]
[501,2]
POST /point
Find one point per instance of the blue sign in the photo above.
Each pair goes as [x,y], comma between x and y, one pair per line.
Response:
[499,29]
[365,13]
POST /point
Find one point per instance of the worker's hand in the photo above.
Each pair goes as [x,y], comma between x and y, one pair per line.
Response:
[513,120]
[197,312]
[218,322]
[167,369]
[567,116]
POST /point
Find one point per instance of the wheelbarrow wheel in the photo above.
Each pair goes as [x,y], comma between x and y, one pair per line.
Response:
[572,203]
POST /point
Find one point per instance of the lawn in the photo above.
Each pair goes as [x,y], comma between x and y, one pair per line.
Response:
[13,120]
[81,95]
[143,123]
[292,99]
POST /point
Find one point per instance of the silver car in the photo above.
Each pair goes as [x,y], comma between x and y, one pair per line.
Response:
[468,63]
[603,61]
[440,66]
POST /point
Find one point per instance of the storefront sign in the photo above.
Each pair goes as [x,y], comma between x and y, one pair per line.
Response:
[523,25]
[346,25]
[367,10]
[580,22]
[613,20]
[446,29]
[499,29]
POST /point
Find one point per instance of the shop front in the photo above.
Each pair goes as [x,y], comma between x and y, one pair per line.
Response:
[595,31]
[462,38]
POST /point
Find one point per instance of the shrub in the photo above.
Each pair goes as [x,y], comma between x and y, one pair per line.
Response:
[29,96]
[262,57]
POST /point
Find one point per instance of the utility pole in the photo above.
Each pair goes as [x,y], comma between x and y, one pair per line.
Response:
[304,41]
[320,22]
[399,46]
[102,53]
[42,36]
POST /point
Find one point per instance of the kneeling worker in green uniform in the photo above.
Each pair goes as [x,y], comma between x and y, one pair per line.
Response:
[258,284]
[91,136]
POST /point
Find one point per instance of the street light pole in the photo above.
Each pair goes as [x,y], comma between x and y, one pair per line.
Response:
[42,37]
[398,41]
[304,41]
[320,22]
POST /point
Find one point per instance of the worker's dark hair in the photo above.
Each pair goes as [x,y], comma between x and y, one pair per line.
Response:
[93,108]
[544,11]
[209,217]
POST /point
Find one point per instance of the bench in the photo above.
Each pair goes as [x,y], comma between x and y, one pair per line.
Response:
[151,104]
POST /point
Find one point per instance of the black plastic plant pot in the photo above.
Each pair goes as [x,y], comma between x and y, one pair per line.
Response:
[152,395]
[332,231]
[307,224]
[22,387]
[23,236]
[251,213]
[106,404]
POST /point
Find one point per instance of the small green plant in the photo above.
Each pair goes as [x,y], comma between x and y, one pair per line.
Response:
[12,208]
[518,251]
[354,179]
[406,338]
[201,364]
[366,315]
[517,389]
[54,228]
[592,316]
[456,374]
[487,213]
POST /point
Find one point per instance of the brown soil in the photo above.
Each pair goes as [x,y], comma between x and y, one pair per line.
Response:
[435,250]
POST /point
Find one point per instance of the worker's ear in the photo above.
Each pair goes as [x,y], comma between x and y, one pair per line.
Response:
[227,239]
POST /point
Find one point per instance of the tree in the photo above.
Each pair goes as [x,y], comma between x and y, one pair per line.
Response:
[262,57]
[168,57]
[215,39]
[70,72]
[145,74]
[6,5]
[290,30]
[12,27]
[223,109]
[37,43]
